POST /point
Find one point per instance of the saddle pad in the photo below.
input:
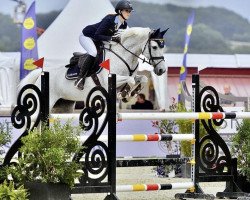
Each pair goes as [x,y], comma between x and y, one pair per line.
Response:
[72,72]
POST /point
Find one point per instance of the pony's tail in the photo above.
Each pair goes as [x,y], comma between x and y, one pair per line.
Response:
[31,78]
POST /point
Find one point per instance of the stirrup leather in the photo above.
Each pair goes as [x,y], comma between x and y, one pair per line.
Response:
[79,84]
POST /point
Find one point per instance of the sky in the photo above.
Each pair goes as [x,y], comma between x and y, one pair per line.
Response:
[42,6]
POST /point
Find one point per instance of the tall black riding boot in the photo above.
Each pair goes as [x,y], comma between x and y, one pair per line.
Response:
[85,66]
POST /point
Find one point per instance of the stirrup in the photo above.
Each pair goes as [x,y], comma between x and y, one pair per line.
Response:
[79,84]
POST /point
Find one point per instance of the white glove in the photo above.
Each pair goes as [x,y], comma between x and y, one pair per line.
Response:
[117,34]
[116,38]
[120,31]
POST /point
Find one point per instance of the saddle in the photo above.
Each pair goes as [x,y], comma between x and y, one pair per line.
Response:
[74,65]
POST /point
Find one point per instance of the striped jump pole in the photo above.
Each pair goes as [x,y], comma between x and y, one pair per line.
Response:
[164,116]
[182,115]
[154,187]
[145,137]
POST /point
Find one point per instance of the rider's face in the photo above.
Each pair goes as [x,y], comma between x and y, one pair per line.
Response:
[126,13]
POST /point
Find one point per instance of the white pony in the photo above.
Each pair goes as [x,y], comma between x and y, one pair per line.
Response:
[123,62]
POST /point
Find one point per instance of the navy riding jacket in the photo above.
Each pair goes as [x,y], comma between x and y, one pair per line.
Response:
[104,30]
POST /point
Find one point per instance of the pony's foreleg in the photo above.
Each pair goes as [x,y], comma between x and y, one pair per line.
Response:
[141,79]
[135,84]
[120,80]
[140,82]
[129,83]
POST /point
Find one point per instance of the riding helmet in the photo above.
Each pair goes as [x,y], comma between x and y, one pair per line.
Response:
[123,5]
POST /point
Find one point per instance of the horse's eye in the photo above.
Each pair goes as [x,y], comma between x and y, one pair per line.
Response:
[154,47]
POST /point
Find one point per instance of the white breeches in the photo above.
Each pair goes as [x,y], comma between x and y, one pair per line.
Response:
[88,44]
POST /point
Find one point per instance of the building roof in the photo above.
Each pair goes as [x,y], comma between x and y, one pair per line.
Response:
[209,60]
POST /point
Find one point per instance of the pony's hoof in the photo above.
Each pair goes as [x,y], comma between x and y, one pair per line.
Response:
[122,95]
[124,100]
[119,95]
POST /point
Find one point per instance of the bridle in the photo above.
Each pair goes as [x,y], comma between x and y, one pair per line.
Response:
[151,59]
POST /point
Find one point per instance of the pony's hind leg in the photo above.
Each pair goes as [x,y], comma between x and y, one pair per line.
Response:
[63,106]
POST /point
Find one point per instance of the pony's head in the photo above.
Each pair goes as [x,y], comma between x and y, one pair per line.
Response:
[154,51]
[150,43]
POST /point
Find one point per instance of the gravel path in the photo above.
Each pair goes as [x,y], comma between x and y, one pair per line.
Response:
[133,175]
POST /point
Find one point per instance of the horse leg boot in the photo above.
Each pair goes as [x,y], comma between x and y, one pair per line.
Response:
[85,65]
[124,91]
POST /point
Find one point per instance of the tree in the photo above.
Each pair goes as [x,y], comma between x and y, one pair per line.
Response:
[206,40]
[9,34]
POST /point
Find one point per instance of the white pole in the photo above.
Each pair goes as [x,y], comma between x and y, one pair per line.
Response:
[156,116]
[144,138]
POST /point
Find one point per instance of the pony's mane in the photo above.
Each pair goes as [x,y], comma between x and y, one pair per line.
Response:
[135,31]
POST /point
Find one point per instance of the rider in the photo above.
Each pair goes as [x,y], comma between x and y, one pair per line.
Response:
[106,30]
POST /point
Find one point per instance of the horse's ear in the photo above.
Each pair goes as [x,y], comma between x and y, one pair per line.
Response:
[155,33]
[163,32]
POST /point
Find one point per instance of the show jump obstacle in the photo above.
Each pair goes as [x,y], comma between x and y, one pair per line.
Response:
[99,153]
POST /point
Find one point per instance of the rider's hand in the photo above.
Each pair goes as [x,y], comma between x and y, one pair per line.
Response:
[116,38]
[119,31]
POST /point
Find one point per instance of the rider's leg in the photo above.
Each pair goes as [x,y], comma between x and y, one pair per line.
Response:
[83,63]
[88,44]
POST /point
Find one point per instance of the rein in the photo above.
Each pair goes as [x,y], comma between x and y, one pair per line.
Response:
[150,53]
[127,65]
[143,60]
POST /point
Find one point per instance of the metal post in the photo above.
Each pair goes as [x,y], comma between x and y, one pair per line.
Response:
[112,135]
[196,108]
[45,98]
